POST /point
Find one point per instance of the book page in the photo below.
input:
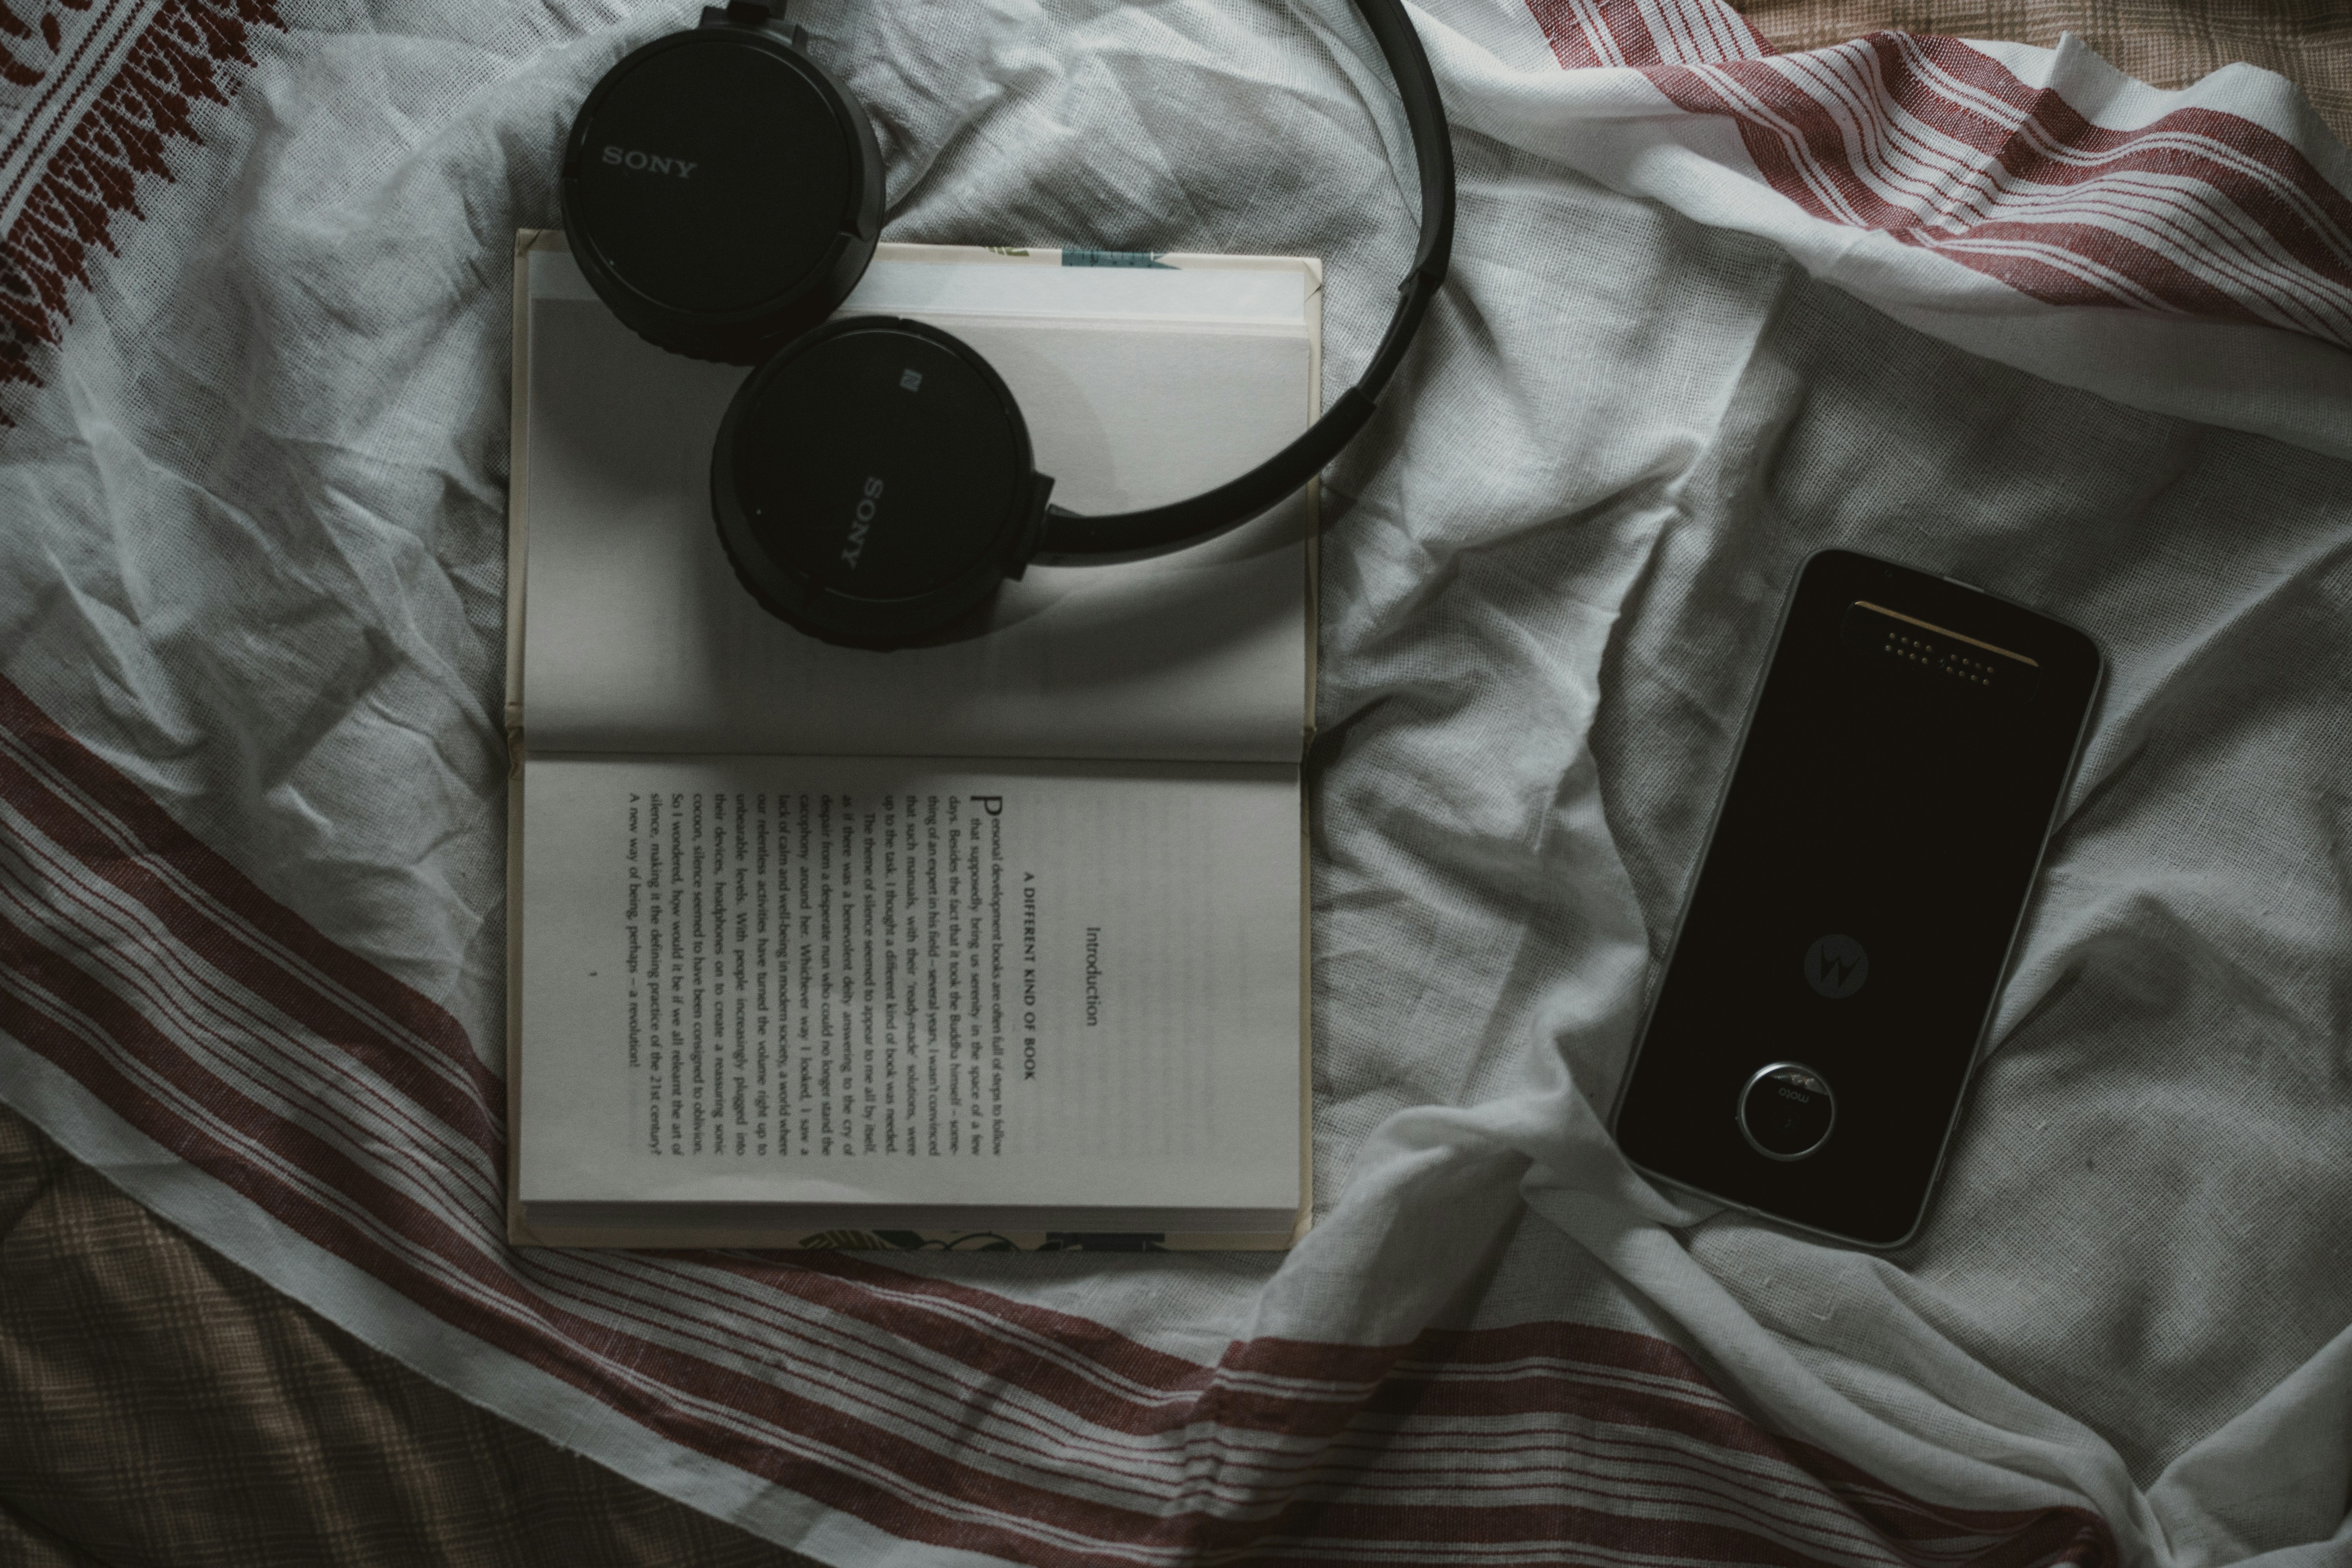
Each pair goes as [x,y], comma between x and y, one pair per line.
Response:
[1139,385]
[823,984]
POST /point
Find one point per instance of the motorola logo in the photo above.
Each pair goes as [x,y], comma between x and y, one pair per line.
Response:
[1836,966]
[677,168]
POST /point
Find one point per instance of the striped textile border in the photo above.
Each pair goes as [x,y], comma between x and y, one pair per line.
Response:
[352,1109]
[2197,213]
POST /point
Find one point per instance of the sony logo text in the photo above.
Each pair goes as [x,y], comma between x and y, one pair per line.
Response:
[648,160]
[862,520]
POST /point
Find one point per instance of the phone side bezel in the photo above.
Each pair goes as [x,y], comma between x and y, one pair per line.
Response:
[2009,952]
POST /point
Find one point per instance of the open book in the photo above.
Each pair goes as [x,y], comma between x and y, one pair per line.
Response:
[999,938]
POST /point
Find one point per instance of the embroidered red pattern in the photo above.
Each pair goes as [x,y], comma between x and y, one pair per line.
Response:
[181,54]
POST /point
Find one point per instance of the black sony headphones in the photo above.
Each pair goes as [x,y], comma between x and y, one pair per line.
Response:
[873,480]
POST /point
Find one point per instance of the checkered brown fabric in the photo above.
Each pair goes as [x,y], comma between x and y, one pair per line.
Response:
[159,1405]
[2170,43]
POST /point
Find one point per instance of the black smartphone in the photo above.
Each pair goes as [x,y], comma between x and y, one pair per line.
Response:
[1805,1050]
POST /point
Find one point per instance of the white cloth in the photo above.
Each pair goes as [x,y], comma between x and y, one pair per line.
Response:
[254,563]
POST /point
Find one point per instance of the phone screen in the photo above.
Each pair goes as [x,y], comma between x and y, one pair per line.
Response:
[1808,1043]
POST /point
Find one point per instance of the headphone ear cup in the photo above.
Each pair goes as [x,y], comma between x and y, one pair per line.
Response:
[721,192]
[874,482]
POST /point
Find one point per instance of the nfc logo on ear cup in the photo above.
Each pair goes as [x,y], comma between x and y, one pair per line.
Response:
[1835,966]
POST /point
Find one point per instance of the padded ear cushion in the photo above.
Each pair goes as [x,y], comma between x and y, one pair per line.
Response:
[721,193]
[874,482]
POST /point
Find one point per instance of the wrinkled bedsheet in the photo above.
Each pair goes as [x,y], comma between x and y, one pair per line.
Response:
[251,773]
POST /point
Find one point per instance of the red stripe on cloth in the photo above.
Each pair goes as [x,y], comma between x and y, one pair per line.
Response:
[245,935]
[2200,212]
[1584,32]
[1293,1386]
[184,52]
[927,1408]
[163,987]
[1487,1467]
[1901,135]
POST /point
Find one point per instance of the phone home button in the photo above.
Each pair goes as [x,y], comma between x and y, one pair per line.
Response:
[1785,1111]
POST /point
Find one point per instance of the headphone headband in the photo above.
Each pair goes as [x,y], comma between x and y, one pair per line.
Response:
[1073,539]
